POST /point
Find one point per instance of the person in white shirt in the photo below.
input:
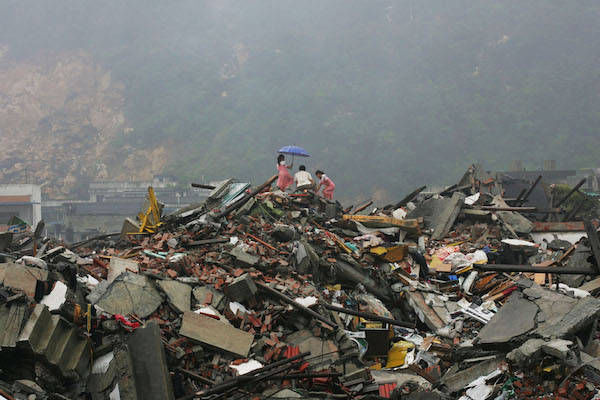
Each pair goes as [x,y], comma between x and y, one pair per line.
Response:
[303,179]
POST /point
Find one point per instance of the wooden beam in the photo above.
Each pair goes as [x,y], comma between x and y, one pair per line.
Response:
[558,226]
[378,221]
[409,197]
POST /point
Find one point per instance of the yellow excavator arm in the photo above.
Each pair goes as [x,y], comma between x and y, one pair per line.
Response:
[150,219]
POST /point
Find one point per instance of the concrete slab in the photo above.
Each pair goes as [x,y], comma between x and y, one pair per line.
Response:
[553,306]
[531,351]
[201,294]
[241,289]
[425,313]
[179,294]
[23,278]
[585,312]
[210,331]
[152,378]
[119,265]
[35,327]
[446,218]
[130,294]
[12,319]
[459,380]
[243,257]
[516,318]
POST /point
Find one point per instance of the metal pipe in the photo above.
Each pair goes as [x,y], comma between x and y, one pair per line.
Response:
[291,302]
[359,209]
[576,188]
[237,204]
[532,268]
[254,375]
[526,196]
[410,197]
[203,186]
[373,317]
[307,375]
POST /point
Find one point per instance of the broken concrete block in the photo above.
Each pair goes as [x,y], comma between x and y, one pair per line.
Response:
[459,380]
[147,353]
[241,289]
[206,295]
[306,341]
[558,348]
[35,329]
[119,265]
[514,319]
[129,227]
[245,209]
[243,257]
[530,351]
[113,377]
[130,294]
[448,216]
[585,312]
[210,331]
[424,312]
[23,278]
[12,319]
[284,233]
[179,294]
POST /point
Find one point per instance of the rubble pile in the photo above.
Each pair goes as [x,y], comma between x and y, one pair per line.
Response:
[258,294]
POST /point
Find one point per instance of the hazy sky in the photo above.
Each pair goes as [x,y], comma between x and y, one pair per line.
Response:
[385,95]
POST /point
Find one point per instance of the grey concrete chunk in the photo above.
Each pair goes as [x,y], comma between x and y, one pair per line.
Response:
[243,257]
[448,216]
[12,319]
[582,314]
[514,319]
[242,288]
[151,372]
[210,331]
[23,278]
[530,351]
[201,294]
[119,265]
[524,353]
[179,294]
[36,325]
[113,373]
[457,381]
[513,220]
[130,294]
[553,306]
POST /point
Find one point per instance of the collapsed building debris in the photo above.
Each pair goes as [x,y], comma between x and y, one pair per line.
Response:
[257,294]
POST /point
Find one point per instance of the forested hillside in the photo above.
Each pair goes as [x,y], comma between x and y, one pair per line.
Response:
[385,95]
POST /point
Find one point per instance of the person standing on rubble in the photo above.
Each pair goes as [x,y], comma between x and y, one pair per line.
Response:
[285,179]
[327,183]
[303,179]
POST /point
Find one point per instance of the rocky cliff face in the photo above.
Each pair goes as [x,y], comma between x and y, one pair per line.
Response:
[59,123]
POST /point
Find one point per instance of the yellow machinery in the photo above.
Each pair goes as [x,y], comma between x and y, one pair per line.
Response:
[150,219]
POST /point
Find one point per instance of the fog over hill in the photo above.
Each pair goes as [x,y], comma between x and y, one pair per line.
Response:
[385,95]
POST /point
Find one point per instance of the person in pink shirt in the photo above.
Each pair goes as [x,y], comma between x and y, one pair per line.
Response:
[285,179]
[327,183]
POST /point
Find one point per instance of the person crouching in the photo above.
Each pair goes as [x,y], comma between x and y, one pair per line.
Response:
[326,183]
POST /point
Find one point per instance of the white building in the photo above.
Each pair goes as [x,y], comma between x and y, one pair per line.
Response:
[23,201]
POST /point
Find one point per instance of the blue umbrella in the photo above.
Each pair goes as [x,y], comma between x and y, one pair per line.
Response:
[294,151]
